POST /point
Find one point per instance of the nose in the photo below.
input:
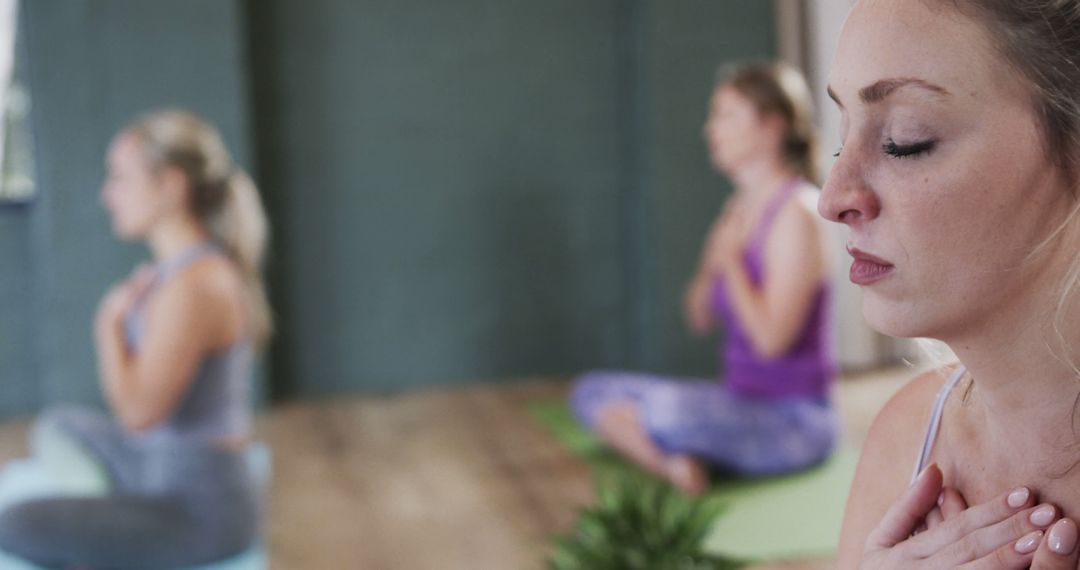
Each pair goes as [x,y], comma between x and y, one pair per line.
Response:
[847,198]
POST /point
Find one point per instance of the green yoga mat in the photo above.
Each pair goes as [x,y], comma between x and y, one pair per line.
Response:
[775,518]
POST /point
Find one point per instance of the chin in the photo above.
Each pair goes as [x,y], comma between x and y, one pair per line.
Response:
[126,232]
[896,319]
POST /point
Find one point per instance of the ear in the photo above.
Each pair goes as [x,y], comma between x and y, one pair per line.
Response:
[174,187]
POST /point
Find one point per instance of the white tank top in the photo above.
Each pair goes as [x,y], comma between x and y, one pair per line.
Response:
[935,421]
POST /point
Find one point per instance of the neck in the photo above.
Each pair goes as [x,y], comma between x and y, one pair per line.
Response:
[756,182]
[174,235]
[1025,388]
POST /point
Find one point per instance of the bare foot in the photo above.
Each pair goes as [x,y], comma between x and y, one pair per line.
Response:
[688,474]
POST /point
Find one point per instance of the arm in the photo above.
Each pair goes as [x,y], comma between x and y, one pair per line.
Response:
[775,313]
[142,390]
[885,463]
[697,305]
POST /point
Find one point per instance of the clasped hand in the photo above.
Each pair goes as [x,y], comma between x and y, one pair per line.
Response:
[931,527]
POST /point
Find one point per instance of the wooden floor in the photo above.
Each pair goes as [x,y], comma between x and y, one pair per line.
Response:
[438,480]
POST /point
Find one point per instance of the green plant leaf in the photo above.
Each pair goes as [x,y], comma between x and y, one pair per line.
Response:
[640,523]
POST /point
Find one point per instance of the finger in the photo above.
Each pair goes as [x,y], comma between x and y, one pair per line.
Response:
[934,518]
[951,503]
[1013,555]
[908,512]
[1058,548]
[985,541]
[981,516]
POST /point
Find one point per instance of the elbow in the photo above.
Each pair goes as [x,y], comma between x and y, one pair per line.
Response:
[134,424]
[137,420]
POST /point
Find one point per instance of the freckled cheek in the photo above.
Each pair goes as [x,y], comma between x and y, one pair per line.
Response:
[927,235]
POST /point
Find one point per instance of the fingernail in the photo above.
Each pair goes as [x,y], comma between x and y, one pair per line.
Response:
[1029,543]
[1018,497]
[941,498]
[1043,515]
[1062,538]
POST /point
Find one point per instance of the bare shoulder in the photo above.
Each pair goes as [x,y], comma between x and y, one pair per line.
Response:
[802,207]
[887,459]
[211,279]
[798,218]
[207,294]
[899,427]
[806,199]
[797,235]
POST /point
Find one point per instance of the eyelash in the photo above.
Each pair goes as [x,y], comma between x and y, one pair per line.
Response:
[902,151]
[908,151]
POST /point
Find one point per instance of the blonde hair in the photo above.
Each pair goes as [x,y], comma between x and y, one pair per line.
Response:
[1040,40]
[776,87]
[222,196]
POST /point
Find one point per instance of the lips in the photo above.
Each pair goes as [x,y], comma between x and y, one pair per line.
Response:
[867,268]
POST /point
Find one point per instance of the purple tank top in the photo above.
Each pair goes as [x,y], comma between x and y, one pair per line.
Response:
[809,366]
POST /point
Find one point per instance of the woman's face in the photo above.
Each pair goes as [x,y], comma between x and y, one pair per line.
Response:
[943,179]
[736,133]
[130,193]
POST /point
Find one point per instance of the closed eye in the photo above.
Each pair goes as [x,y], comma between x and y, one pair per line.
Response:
[909,150]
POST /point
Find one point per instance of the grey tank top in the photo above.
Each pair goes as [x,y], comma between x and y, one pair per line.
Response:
[218,401]
[935,421]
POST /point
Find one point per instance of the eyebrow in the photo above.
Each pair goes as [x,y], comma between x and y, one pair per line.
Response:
[879,90]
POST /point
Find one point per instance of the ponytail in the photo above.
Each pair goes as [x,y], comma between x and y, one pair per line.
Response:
[239,227]
[222,196]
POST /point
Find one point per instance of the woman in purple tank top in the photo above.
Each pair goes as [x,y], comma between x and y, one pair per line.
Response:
[762,279]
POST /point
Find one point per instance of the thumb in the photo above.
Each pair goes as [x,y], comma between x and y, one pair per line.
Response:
[908,512]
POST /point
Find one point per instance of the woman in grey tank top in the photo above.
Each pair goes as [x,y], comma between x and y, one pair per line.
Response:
[174,344]
[959,183]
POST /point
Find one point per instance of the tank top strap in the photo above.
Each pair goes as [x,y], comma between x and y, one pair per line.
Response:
[166,269]
[935,421]
[163,271]
[772,209]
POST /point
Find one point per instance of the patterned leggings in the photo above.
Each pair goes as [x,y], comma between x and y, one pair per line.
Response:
[733,432]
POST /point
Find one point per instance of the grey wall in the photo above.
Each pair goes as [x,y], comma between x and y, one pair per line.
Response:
[485,189]
[93,65]
[445,179]
[17,341]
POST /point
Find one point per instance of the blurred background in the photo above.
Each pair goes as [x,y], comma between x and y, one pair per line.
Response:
[463,194]
[460,192]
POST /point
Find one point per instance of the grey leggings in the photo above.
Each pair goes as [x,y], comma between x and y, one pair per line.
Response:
[171,504]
